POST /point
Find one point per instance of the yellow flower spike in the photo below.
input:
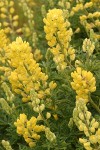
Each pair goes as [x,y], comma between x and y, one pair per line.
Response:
[5,106]
[4,41]
[29,129]
[88,4]
[6,145]
[88,46]
[86,123]
[83,83]
[96,3]
[58,35]
[27,73]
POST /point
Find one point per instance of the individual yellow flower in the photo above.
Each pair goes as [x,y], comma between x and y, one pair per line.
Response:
[3,10]
[11,3]
[71,53]
[12,10]
[83,83]
[52,85]
[15,23]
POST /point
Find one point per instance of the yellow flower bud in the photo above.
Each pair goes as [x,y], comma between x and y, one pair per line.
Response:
[11,3]
[15,23]
[48,115]
[15,17]
[55,116]
[12,10]
[82,140]
[3,10]
[93,139]
[32,144]
[52,85]
[95,125]
[5,24]
[92,129]
[3,16]
[35,136]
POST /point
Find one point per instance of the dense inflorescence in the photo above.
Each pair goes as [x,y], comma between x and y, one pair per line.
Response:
[58,35]
[86,123]
[83,83]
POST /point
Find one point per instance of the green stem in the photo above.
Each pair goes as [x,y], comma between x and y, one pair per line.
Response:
[94,105]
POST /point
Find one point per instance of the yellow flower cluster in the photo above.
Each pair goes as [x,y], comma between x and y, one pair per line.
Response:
[80,6]
[58,36]
[6,145]
[9,94]
[96,3]
[8,17]
[26,73]
[29,129]
[37,105]
[83,83]
[86,123]
[88,46]
[77,8]
[5,106]
[50,135]
[91,20]
[3,40]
